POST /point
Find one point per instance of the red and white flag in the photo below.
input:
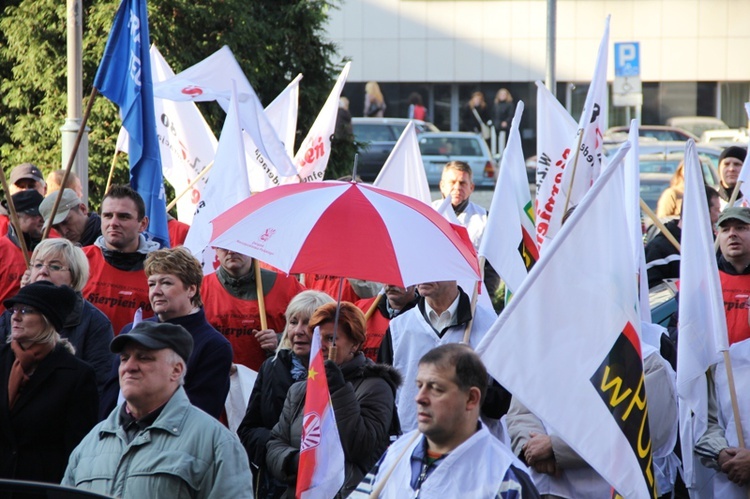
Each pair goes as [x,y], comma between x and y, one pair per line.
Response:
[702,322]
[312,157]
[321,459]
[211,79]
[508,240]
[555,127]
[575,320]
[403,171]
[226,187]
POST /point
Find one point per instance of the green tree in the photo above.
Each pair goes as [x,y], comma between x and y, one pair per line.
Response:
[273,40]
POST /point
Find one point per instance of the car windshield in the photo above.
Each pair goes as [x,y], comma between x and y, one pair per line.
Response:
[449,146]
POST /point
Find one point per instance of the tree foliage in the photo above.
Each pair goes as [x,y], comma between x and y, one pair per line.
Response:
[273,40]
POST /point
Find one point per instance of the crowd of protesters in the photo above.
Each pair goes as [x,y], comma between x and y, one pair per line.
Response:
[117,351]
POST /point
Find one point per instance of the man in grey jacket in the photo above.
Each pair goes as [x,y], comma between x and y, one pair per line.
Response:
[156,444]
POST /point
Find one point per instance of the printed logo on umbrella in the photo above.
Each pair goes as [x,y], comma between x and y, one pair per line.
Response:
[267,234]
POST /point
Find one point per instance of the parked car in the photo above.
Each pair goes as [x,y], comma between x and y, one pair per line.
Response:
[662,299]
[378,136]
[657,171]
[619,134]
[438,148]
[697,124]
[651,146]
[725,138]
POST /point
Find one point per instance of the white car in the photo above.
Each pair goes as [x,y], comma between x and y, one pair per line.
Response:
[439,148]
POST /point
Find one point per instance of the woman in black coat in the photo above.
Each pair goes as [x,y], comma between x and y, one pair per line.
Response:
[276,375]
[362,395]
[48,397]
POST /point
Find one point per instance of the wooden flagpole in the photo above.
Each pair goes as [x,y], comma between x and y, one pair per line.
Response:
[111,171]
[474,296]
[374,306]
[71,159]
[659,224]
[190,185]
[261,297]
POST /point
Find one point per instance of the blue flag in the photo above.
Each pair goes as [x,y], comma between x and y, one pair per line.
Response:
[124,77]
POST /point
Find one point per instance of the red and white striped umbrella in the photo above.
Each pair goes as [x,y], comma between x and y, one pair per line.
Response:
[347,229]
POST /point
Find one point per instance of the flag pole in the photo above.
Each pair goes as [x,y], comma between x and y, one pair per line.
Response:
[190,185]
[573,174]
[261,297]
[659,224]
[733,396]
[73,154]
[111,171]
[381,484]
[14,220]
[474,295]
[332,349]
[373,307]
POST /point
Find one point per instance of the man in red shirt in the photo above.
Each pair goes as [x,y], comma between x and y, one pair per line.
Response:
[734,270]
[230,300]
[117,284]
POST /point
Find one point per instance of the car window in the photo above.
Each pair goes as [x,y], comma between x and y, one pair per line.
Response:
[373,133]
[658,166]
[449,146]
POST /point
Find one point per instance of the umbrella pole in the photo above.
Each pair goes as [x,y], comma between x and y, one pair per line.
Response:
[332,350]
[261,298]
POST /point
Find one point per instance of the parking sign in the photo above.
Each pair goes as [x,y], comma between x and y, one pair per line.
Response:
[627,59]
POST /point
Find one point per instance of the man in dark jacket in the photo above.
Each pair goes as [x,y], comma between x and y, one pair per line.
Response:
[662,257]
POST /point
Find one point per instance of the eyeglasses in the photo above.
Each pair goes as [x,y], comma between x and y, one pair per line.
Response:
[52,267]
[24,310]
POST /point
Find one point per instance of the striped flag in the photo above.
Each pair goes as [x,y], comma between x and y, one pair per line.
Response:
[321,458]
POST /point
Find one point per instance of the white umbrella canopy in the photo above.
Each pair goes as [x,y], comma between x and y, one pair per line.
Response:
[347,229]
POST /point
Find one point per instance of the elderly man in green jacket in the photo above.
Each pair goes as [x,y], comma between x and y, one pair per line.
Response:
[156,444]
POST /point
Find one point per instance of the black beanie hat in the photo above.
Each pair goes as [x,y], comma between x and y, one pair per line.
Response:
[733,152]
[54,302]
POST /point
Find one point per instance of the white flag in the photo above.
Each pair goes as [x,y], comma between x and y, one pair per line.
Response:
[312,156]
[510,225]
[282,113]
[403,171]
[580,170]
[745,172]
[587,379]
[703,325]
[211,79]
[186,143]
[227,186]
[555,127]
[633,210]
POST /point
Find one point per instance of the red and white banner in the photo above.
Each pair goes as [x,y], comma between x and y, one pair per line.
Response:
[403,171]
[312,157]
[508,240]
[574,319]
[321,459]
[555,127]
[703,324]
[226,187]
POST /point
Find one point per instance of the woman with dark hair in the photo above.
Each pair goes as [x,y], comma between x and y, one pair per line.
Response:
[48,398]
[272,385]
[362,394]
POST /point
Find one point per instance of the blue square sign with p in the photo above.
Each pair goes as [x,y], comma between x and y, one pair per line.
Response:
[627,59]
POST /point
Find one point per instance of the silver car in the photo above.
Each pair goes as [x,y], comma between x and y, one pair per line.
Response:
[439,148]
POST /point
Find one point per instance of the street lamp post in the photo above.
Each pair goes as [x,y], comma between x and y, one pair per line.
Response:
[75,97]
